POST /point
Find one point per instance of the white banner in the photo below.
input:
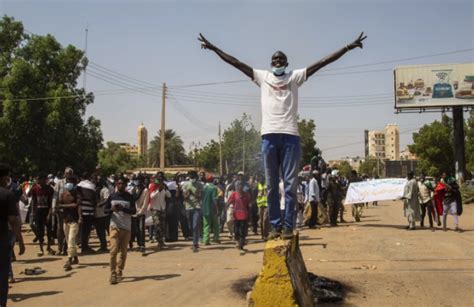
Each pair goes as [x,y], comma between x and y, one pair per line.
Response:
[374,190]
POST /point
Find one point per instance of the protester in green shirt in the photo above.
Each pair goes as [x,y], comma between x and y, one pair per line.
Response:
[209,211]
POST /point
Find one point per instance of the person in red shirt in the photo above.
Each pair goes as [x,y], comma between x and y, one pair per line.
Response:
[240,201]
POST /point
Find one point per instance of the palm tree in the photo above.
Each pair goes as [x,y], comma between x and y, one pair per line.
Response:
[174,149]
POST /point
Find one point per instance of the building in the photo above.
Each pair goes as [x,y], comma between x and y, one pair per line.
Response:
[354,162]
[132,150]
[377,144]
[392,142]
[407,155]
[384,144]
[142,140]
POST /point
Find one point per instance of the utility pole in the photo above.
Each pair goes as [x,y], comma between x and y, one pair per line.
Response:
[84,80]
[162,130]
[459,151]
[243,153]
[220,150]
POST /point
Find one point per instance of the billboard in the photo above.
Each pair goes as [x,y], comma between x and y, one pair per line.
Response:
[434,86]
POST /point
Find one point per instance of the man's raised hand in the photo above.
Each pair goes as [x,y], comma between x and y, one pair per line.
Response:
[205,44]
[358,42]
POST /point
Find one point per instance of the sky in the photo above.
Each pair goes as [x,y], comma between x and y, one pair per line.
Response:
[155,42]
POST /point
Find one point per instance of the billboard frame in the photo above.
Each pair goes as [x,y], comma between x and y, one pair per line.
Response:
[427,108]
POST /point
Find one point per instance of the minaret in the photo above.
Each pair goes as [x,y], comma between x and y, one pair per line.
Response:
[142,140]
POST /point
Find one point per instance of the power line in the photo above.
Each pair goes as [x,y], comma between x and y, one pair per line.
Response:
[402,59]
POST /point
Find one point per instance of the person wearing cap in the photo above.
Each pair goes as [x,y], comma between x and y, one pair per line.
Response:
[209,211]
[411,205]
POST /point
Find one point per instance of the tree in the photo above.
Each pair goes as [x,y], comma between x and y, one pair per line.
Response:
[174,149]
[433,144]
[113,159]
[242,141]
[368,167]
[42,111]
[208,156]
[344,169]
[307,129]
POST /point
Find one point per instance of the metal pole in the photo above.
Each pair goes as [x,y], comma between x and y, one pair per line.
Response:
[243,154]
[459,154]
[162,131]
[220,151]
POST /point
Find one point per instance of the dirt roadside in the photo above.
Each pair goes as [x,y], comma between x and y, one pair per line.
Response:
[380,262]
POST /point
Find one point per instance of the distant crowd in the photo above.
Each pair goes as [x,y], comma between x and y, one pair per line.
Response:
[129,211]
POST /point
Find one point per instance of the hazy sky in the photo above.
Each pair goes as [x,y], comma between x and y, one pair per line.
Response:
[155,42]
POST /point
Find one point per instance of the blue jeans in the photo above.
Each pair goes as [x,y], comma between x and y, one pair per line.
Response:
[194,219]
[281,154]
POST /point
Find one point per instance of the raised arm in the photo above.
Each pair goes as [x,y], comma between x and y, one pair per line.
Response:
[247,70]
[335,56]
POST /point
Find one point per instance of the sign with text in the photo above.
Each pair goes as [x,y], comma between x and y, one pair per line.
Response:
[434,86]
[375,190]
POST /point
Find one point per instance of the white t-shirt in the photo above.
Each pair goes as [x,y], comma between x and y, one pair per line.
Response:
[279,97]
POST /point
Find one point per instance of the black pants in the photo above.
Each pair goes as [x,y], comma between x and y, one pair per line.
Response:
[138,230]
[87,223]
[4,268]
[172,215]
[428,205]
[253,216]
[41,222]
[333,211]
[100,225]
[314,214]
[240,232]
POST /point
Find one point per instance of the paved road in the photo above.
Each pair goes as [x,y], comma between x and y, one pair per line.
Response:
[380,263]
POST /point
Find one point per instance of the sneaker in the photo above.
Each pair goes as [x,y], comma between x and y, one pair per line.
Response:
[51,252]
[119,276]
[287,234]
[141,249]
[67,265]
[457,229]
[40,254]
[275,233]
[75,260]
[113,279]
[195,249]
[242,252]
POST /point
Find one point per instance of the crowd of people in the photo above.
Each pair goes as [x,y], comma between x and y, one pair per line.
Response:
[436,198]
[125,210]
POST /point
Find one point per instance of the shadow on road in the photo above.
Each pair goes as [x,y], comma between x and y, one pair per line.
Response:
[37,260]
[18,297]
[40,278]
[382,226]
[151,277]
